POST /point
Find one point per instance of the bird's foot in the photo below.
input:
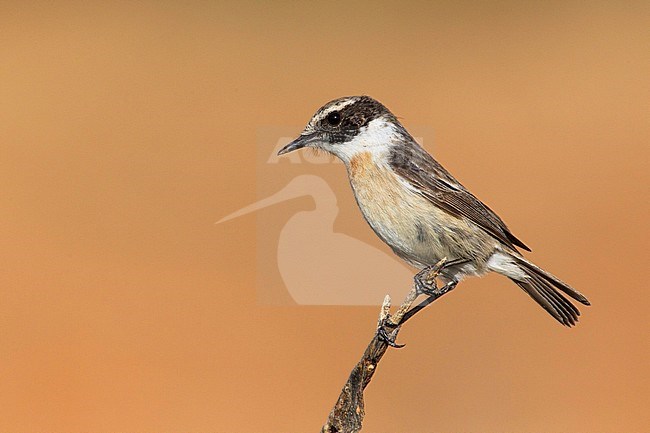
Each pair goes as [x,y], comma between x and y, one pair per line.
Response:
[439,291]
[386,333]
[425,280]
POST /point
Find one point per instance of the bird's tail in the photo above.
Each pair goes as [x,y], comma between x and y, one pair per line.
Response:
[543,288]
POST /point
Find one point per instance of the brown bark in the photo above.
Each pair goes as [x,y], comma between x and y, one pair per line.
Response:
[347,414]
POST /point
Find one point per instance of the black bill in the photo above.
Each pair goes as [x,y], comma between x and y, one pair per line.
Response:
[303,140]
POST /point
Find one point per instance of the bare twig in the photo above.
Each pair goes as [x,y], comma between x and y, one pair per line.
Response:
[348,412]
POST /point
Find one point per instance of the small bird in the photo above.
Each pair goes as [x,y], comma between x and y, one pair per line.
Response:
[420,210]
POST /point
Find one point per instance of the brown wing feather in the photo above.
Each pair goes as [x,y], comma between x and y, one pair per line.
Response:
[436,184]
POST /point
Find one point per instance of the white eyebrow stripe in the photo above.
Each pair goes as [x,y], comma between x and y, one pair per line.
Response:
[336,107]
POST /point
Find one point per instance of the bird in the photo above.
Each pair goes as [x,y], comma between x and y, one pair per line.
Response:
[420,210]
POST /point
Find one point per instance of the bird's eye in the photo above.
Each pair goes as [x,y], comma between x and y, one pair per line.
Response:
[334,118]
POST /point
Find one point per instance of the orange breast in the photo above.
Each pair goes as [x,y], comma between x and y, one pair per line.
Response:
[411,225]
[392,210]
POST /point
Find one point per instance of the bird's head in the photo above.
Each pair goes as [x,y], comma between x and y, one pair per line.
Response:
[348,126]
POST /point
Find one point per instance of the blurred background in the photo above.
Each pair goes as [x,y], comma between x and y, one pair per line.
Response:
[128,129]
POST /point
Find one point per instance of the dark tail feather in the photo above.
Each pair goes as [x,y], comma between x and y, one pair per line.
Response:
[532,269]
[539,285]
[551,300]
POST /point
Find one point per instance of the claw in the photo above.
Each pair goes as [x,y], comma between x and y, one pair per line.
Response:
[383,335]
[425,281]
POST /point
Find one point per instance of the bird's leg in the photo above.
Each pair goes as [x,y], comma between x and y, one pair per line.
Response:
[387,329]
[430,298]
[425,280]
[425,284]
[385,332]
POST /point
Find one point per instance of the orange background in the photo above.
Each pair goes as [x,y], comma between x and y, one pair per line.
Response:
[127,131]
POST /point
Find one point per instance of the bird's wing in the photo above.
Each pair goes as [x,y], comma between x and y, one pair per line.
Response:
[437,185]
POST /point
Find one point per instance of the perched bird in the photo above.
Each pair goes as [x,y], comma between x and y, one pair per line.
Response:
[419,209]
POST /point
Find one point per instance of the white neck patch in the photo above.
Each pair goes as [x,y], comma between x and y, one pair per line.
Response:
[377,137]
